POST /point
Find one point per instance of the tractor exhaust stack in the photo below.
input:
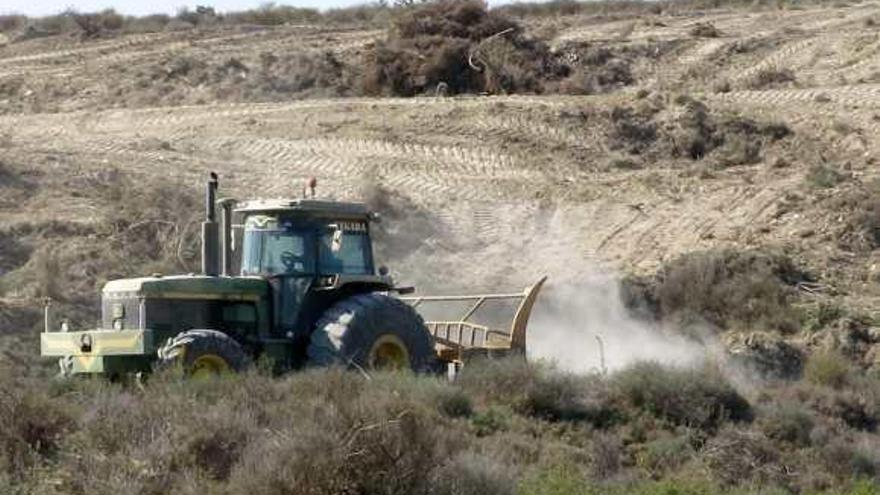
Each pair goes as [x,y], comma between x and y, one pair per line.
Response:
[226,236]
[211,231]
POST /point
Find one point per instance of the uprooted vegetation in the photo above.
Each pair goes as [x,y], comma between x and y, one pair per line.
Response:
[457,46]
[684,130]
[505,427]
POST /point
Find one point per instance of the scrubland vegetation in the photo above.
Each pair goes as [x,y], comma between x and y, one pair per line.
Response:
[504,427]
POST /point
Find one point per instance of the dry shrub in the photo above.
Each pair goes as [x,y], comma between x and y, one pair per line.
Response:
[32,425]
[380,440]
[321,431]
[665,454]
[147,24]
[788,422]
[824,176]
[698,133]
[540,391]
[606,455]
[270,14]
[730,289]
[12,22]
[737,457]
[469,473]
[13,253]
[856,407]
[829,368]
[632,130]
[141,227]
[176,79]
[704,30]
[694,397]
[97,24]
[847,460]
[558,8]
[688,129]
[461,44]
[151,225]
[599,79]
[770,77]
[203,15]
[302,72]
[861,207]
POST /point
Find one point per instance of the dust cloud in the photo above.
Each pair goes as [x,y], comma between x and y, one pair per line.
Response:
[579,307]
[585,327]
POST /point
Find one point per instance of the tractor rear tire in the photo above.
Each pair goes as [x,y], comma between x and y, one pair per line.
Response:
[372,331]
[202,353]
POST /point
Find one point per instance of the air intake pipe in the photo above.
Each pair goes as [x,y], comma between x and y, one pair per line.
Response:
[211,231]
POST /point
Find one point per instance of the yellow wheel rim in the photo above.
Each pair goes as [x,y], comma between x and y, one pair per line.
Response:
[209,365]
[389,352]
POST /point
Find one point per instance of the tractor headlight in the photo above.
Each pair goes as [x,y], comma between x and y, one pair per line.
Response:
[118,311]
[118,324]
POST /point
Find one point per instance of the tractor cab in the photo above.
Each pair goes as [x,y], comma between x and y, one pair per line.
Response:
[312,252]
[305,238]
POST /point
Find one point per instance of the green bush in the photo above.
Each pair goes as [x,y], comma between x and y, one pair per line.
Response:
[730,288]
[788,422]
[469,473]
[666,454]
[829,368]
[824,176]
[540,391]
[694,397]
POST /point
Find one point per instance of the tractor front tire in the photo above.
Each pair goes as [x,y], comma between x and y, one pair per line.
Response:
[372,331]
[203,353]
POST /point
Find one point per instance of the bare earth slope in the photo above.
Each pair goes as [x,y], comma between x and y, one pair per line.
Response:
[511,186]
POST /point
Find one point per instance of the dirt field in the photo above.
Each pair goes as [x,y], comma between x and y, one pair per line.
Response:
[502,176]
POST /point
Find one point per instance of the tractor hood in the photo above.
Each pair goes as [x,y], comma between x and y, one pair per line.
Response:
[188,287]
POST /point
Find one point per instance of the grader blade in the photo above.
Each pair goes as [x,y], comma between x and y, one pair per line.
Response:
[460,335]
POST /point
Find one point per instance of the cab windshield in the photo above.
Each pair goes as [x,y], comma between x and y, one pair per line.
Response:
[285,248]
[277,252]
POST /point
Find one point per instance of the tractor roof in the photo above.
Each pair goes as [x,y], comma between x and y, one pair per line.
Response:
[315,207]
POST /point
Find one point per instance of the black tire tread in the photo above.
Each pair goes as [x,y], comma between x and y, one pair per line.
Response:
[358,313]
[201,341]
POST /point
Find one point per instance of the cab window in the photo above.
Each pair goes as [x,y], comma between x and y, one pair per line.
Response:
[344,252]
[277,252]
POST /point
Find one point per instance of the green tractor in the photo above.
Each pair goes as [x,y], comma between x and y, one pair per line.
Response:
[306,292]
